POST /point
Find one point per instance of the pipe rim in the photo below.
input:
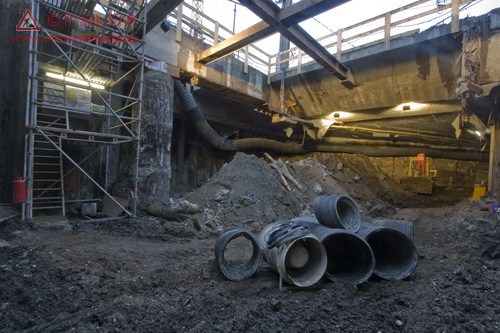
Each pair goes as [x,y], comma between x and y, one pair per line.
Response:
[408,261]
[241,271]
[337,212]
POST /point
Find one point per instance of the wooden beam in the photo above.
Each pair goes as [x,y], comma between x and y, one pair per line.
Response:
[302,10]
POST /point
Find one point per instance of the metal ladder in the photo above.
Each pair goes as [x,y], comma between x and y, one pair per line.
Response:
[48,173]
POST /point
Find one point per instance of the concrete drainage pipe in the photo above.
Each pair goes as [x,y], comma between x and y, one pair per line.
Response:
[337,212]
[296,254]
[236,270]
[350,258]
[396,256]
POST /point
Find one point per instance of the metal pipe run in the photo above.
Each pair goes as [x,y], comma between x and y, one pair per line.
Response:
[237,270]
[337,212]
[208,133]
[296,254]
[350,258]
[396,256]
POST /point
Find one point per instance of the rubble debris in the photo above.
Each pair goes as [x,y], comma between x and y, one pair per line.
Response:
[317,189]
[283,171]
[174,211]
[221,194]
[491,247]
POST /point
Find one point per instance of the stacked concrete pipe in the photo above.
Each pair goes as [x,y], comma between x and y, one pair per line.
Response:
[350,258]
[338,242]
[390,240]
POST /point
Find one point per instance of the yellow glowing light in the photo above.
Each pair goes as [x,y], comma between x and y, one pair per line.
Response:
[75,81]
[339,115]
[412,106]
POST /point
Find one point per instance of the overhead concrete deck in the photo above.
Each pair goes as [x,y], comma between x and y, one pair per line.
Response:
[421,67]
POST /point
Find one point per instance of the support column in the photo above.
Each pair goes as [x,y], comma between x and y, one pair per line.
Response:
[155,170]
[494,167]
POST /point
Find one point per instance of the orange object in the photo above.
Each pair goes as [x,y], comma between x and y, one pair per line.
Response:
[19,191]
[420,162]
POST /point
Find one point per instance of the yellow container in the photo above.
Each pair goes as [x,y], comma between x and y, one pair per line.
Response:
[479,191]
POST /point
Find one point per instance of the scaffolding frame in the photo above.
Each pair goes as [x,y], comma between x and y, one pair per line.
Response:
[62,59]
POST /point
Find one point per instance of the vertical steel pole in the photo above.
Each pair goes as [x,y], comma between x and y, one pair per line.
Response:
[31,110]
[139,119]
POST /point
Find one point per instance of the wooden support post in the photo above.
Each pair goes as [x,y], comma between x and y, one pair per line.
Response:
[494,163]
[387,32]
[216,33]
[178,31]
[269,70]
[181,144]
[245,65]
[339,44]
[455,15]
[299,62]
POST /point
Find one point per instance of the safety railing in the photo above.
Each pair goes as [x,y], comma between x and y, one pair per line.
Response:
[213,33]
[382,28]
[403,21]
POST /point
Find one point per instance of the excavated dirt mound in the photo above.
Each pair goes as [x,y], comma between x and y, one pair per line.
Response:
[245,192]
[248,192]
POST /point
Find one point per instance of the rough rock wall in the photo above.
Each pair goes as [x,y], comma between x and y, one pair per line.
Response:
[465,173]
[13,82]
[154,166]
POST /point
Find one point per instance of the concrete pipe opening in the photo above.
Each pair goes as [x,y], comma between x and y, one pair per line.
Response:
[232,252]
[396,256]
[337,212]
[304,262]
[350,258]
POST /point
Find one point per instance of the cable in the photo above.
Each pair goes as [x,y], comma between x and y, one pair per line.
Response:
[286,233]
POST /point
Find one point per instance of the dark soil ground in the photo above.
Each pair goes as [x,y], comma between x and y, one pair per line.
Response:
[152,275]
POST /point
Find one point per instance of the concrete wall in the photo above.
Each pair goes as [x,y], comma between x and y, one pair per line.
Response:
[420,72]
[13,83]
[193,162]
[226,73]
[449,172]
